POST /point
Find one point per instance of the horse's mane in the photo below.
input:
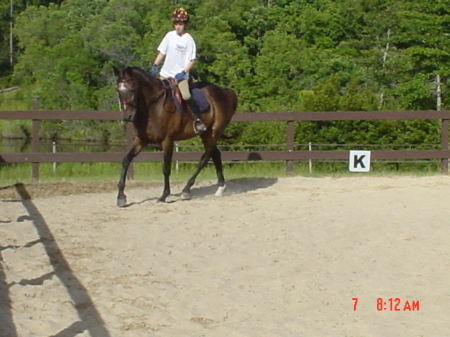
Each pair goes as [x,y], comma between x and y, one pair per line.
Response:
[142,75]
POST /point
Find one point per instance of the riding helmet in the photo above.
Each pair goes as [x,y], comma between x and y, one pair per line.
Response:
[180,15]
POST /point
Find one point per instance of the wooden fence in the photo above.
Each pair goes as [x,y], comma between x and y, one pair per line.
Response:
[289,154]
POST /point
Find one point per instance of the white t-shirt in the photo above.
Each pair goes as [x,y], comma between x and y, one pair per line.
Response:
[179,51]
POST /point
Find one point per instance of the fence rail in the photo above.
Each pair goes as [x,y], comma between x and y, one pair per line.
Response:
[289,154]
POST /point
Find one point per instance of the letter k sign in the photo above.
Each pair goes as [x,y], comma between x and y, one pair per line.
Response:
[359,161]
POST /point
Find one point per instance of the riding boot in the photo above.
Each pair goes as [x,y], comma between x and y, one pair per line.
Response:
[199,125]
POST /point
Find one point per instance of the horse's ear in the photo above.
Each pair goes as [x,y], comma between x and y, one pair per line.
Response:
[128,72]
[116,71]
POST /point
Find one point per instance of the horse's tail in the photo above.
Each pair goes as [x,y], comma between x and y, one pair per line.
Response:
[232,98]
[234,135]
[232,101]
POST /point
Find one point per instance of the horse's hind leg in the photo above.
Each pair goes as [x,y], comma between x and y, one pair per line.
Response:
[217,159]
[209,144]
[186,192]
[137,147]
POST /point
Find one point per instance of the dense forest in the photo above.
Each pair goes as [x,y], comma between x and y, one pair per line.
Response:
[278,55]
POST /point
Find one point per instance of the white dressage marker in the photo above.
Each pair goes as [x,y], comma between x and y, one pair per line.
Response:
[359,161]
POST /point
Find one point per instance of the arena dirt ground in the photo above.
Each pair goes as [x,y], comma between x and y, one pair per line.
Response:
[272,257]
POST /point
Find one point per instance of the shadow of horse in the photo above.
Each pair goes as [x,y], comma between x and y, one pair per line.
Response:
[235,187]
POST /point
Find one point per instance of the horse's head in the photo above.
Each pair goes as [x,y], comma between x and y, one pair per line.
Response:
[126,88]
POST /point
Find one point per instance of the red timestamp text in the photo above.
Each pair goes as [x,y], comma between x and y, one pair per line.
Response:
[396,304]
[392,304]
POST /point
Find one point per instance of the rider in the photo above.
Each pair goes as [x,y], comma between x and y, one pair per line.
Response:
[179,50]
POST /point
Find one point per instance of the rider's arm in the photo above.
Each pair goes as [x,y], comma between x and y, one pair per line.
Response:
[159,58]
[189,66]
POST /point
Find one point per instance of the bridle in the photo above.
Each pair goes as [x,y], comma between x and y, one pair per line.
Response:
[128,102]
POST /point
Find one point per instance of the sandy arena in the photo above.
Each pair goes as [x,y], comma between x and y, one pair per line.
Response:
[271,258]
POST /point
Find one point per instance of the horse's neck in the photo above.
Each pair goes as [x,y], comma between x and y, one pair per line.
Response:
[148,96]
[151,89]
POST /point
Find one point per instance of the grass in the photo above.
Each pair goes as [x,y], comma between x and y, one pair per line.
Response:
[14,173]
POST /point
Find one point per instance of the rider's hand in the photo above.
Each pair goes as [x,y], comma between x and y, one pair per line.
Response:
[180,76]
[154,70]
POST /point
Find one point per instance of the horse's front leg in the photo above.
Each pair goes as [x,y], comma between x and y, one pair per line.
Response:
[137,147]
[167,146]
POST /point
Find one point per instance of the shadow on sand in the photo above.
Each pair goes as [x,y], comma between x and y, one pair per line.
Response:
[234,187]
[89,318]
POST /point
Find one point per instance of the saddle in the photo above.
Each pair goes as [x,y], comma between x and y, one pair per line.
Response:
[196,94]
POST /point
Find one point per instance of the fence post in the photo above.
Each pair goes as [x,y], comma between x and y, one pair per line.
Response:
[290,133]
[177,149]
[444,144]
[35,141]
[54,151]
[130,138]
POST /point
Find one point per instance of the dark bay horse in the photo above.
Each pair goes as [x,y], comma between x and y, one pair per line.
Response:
[157,120]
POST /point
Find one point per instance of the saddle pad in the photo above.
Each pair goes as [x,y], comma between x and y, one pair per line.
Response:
[201,100]
[196,94]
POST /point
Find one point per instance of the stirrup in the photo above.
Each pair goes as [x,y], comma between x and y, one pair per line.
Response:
[199,126]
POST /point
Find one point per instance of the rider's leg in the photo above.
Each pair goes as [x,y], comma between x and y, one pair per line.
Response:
[199,125]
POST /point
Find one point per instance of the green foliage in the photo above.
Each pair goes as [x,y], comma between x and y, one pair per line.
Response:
[279,55]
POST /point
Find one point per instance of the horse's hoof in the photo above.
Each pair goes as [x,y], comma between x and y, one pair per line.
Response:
[161,200]
[185,196]
[220,191]
[122,202]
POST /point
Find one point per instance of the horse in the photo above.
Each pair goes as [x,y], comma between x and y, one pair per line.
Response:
[156,120]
